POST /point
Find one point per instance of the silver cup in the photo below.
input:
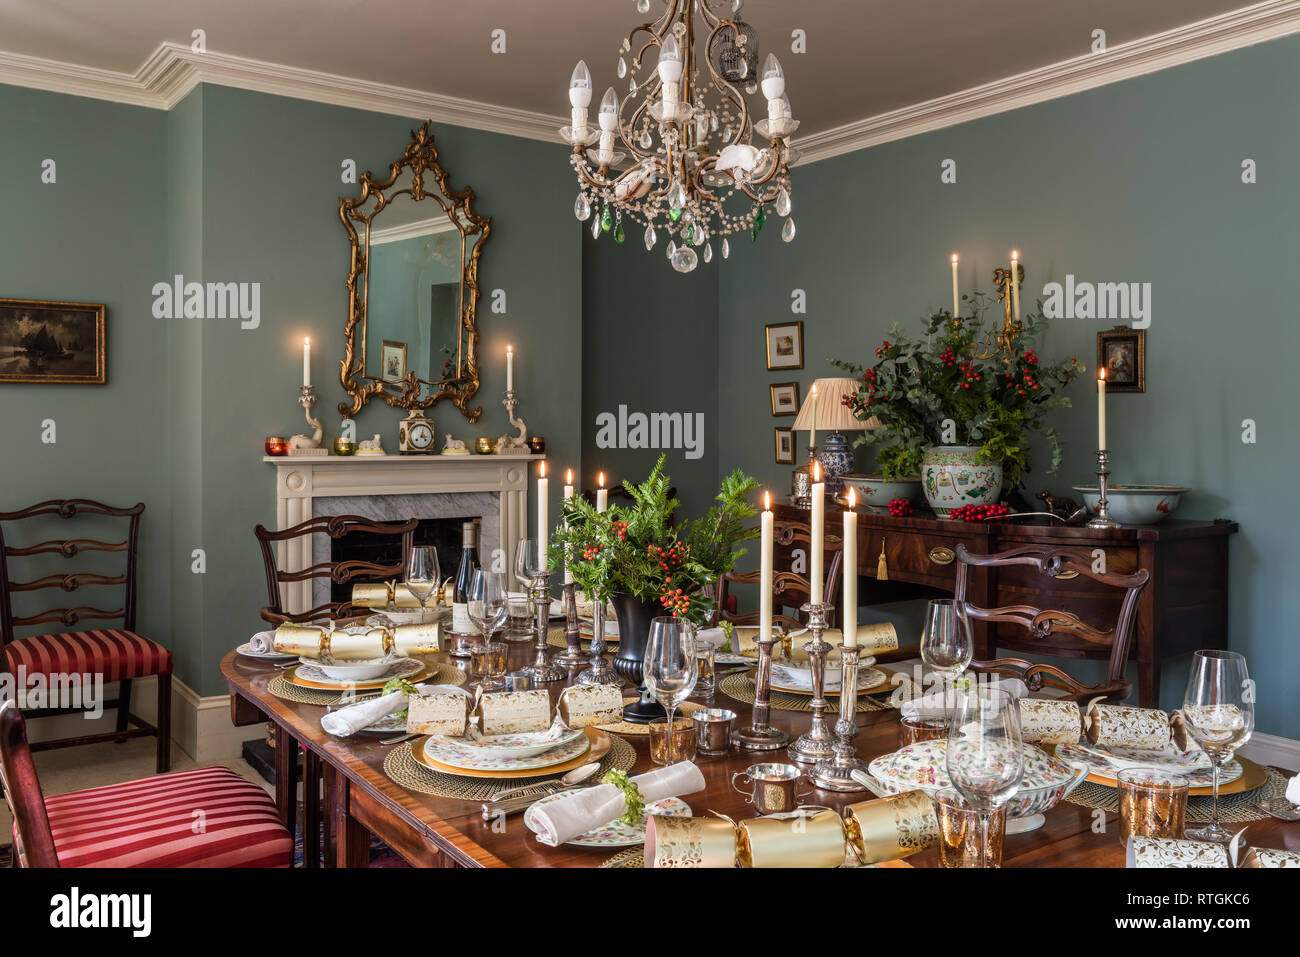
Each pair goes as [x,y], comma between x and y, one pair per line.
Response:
[518,681]
[713,730]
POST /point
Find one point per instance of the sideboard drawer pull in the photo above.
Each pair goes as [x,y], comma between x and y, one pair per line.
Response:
[1066,576]
[942,555]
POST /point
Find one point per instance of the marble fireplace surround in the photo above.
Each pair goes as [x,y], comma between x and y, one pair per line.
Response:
[396,487]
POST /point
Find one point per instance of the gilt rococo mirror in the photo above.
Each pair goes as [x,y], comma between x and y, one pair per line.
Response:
[412,334]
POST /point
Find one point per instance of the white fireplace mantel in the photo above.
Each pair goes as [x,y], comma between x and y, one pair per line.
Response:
[302,481]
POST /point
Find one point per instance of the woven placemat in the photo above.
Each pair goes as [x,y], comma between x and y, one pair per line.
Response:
[643,730]
[401,766]
[1233,808]
[443,674]
[628,857]
[741,687]
[558,638]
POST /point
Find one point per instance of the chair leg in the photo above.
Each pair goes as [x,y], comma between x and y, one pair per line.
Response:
[163,723]
[311,809]
[123,705]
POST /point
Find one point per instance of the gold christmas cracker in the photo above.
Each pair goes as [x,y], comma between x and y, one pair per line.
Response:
[689,842]
[309,641]
[802,840]
[878,637]
[581,706]
[1268,857]
[1046,721]
[381,595]
[1121,726]
[514,712]
[891,828]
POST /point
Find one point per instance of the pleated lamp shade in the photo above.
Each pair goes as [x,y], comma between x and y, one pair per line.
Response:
[832,414]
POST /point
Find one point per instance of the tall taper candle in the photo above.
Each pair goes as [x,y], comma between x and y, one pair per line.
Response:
[568,494]
[850,611]
[543,518]
[510,368]
[1015,284]
[812,425]
[818,544]
[306,363]
[1101,408]
[765,573]
[602,493]
[956,300]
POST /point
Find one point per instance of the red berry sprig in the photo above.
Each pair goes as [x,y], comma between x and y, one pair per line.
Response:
[979,513]
[900,507]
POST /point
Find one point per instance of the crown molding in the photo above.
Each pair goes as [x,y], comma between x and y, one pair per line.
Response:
[173,70]
[1245,27]
[423,227]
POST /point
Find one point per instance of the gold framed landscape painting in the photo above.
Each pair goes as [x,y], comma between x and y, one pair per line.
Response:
[783,439]
[42,341]
[785,398]
[784,345]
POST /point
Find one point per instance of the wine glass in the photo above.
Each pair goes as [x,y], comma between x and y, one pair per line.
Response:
[530,562]
[670,666]
[1219,711]
[422,573]
[487,605]
[946,640]
[986,761]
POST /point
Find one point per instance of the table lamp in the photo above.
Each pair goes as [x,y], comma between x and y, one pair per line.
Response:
[824,411]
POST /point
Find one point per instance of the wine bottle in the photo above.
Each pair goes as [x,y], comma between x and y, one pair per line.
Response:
[469,561]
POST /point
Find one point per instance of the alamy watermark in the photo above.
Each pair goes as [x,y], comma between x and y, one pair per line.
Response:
[654,430]
[214,300]
[72,691]
[1126,301]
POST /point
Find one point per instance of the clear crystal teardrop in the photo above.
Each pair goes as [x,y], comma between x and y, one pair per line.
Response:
[726,135]
[646,141]
[595,227]
[787,231]
[672,249]
[581,207]
[631,85]
[708,252]
[622,68]
[650,237]
[677,195]
[783,202]
[642,6]
[713,122]
[726,249]
[701,235]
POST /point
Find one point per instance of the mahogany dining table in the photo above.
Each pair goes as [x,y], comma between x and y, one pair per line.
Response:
[361,800]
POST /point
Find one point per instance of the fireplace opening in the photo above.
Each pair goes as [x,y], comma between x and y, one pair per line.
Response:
[444,534]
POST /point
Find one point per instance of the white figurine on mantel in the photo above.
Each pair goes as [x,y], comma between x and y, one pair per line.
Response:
[513,444]
[373,446]
[303,444]
[454,446]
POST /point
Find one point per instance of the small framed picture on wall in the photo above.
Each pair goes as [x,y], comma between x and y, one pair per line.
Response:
[394,360]
[1122,352]
[784,440]
[784,345]
[785,398]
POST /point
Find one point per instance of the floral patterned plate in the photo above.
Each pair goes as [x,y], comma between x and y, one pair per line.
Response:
[521,745]
[457,756]
[311,676]
[1167,759]
[246,649]
[799,680]
[616,834]
[1107,769]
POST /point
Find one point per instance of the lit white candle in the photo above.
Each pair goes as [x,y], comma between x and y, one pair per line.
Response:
[850,612]
[306,363]
[543,518]
[1015,283]
[812,423]
[818,529]
[602,493]
[956,300]
[765,573]
[568,494]
[1101,408]
[510,368]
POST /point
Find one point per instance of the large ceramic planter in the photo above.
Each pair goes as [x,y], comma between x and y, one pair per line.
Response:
[634,617]
[951,477]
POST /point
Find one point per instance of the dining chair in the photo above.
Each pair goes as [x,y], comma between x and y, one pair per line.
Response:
[339,572]
[210,817]
[1058,562]
[110,654]
[789,589]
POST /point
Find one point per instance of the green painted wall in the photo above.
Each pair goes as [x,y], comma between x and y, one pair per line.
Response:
[1140,181]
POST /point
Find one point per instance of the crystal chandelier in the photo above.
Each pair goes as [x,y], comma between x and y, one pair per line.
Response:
[675,152]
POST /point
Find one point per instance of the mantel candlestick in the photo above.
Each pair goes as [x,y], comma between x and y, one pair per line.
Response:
[835,774]
[816,743]
[598,671]
[542,670]
[303,444]
[1102,519]
[513,444]
[760,736]
[572,655]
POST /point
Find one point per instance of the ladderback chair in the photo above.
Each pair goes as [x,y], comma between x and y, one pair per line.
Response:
[153,822]
[340,572]
[1057,561]
[113,654]
[789,589]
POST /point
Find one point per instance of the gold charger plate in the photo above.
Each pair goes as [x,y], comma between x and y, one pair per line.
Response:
[600,745]
[1252,776]
[291,676]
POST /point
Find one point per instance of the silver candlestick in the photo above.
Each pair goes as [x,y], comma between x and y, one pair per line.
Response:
[598,671]
[1102,519]
[760,736]
[513,444]
[542,670]
[572,656]
[835,774]
[816,743]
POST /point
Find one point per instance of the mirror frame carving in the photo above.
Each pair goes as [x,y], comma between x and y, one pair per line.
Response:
[421,158]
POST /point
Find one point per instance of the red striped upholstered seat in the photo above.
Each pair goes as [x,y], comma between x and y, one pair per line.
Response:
[115,653]
[206,818]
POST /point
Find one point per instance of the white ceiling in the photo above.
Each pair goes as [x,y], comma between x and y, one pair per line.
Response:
[864,57]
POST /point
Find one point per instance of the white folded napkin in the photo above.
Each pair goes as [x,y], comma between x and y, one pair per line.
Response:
[1293,790]
[937,705]
[350,720]
[573,814]
[262,643]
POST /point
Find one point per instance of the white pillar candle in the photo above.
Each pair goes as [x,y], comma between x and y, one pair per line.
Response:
[818,529]
[510,368]
[568,494]
[1015,283]
[602,493]
[850,611]
[543,518]
[765,573]
[1101,408]
[956,300]
[306,363]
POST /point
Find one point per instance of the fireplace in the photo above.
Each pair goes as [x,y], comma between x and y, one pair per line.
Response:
[444,534]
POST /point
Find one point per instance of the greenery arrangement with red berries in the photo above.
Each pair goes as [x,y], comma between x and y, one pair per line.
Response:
[637,549]
[918,383]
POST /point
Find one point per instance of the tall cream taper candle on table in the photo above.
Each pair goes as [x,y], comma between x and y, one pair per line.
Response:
[543,517]
[765,572]
[850,566]
[568,494]
[818,534]
[1101,408]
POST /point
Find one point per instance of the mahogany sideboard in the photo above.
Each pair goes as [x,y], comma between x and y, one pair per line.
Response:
[1184,607]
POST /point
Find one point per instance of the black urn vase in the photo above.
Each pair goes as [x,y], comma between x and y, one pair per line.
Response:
[634,616]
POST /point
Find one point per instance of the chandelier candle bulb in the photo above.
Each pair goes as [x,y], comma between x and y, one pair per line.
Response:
[817,545]
[543,520]
[1101,409]
[765,571]
[850,613]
